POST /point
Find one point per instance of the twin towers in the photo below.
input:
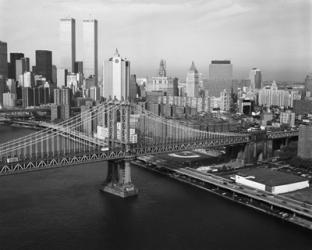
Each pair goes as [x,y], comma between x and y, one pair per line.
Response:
[67,46]
[116,70]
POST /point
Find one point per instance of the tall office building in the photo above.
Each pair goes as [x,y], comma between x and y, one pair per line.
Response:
[21,66]
[162,82]
[2,88]
[220,77]
[57,96]
[4,59]
[67,46]
[62,78]
[78,67]
[162,68]
[9,100]
[28,80]
[304,142]
[133,88]
[308,82]
[11,84]
[12,67]
[116,77]
[90,49]
[27,97]
[66,96]
[255,78]
[272,96]
[192,82]
[225,100]
[94,93]
[54,74]
[3,69]
[44,64]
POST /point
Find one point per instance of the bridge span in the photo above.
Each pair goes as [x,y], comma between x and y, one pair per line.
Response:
[112,131]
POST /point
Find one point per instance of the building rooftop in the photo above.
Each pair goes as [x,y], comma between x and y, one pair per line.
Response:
[270,177]
[220,62]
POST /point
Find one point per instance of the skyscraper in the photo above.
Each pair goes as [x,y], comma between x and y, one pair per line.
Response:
[162,82]
[2,87]
[304,142]
[162,68]
[308,82]
[67,46]
[12,67]
[192,82]
[4,60]
[90,48]
[133,88]
[54,74]
[116,77]
[61,77]
[44,64]
[255,78]
[21,66]
[28,80]
[78,67]
[95,93]
[220,77]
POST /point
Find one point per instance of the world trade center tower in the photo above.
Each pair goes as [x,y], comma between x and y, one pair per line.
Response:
[90,49]
[67,45]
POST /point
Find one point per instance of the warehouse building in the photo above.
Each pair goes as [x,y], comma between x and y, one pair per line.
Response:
[271,181]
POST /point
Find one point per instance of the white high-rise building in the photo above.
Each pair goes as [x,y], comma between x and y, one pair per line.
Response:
[116,77]
[255,78]
[67,46]
[28,79]
[90,49]
[225,100]
[95,93]
[62,78]
[192,82]
[272,96]
[288,118]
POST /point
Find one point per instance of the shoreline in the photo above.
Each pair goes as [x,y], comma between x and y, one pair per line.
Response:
[219,192]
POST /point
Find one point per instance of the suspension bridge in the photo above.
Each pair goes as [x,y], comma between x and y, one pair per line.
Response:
[115,132]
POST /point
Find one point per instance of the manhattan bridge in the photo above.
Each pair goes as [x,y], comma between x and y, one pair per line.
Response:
[116,132]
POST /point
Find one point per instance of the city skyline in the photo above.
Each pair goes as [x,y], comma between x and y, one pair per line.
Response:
[145,32]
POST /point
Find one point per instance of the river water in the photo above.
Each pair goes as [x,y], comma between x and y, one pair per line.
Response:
[64,209]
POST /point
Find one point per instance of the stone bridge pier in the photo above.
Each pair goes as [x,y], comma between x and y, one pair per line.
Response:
[258,149]
[261,147]
[118,180]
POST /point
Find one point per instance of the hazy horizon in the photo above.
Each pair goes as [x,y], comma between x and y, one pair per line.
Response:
[275,36]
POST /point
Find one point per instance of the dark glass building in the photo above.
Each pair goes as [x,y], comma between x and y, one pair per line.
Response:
[44,64]
[27,97]
[78,67]
[13,58]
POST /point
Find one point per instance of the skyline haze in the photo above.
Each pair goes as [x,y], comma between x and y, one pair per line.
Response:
[274,36]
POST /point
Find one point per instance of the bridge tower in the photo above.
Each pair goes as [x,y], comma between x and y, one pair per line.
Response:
[118,180]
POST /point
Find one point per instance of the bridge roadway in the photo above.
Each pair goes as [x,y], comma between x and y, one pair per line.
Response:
[30,110]
[296,207]
[74,133]
[17,110]
[282,134]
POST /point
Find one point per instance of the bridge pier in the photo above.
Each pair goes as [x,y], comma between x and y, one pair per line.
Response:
[118,181]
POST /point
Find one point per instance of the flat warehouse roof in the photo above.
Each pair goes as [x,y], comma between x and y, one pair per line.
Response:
[270,177]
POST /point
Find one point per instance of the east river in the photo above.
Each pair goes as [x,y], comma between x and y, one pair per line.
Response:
[64,209]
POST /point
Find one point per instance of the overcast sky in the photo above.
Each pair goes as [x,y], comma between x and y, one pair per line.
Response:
[274,35]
